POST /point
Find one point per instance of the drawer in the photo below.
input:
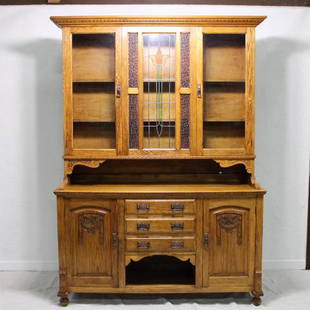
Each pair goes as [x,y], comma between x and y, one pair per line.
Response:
[164,244]
[171,207]
[160,225]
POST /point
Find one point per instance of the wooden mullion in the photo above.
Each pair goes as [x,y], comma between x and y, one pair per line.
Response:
[68,91]
[198,45]
[250,91]
[193,93]
[124,96]
[118,101]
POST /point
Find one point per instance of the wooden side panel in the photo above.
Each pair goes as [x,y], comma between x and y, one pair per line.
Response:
[230,225]
[92,246]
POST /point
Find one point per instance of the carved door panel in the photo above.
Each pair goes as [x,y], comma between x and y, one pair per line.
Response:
[91,242]
[229,231]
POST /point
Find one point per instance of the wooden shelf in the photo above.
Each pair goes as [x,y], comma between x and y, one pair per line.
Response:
[93,81]
[225,81]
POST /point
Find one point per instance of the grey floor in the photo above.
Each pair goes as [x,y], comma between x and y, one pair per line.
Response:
[284,290]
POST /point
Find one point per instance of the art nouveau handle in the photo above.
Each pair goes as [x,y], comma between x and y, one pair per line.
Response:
[199,92]
[118,91]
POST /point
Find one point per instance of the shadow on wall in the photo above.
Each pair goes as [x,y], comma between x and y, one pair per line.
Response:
[43,107]
[274,135]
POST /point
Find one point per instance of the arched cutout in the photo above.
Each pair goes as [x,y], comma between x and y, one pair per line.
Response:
[160,269]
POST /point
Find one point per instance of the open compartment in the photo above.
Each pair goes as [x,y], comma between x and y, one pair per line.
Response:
[94,135]
[160,269]
[224,102]
[93,57]
[159,172]
[224,57]
[224,135]
[93,102]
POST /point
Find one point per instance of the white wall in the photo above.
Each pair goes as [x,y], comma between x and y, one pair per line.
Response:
[31,126]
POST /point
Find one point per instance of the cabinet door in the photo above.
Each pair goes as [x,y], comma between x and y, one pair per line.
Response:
[229,245]
[159,71]
[92,91]
[91,238]
[225,75]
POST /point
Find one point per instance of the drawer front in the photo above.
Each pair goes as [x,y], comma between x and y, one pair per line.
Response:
[160,225]
[171,207]
[160,244]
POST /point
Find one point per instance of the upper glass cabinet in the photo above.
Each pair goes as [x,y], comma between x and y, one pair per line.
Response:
[159,91]
[93,91]
[224,91]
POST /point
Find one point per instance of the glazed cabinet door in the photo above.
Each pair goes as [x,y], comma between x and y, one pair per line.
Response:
[91,242]
[225,86]
[159,70]
[229,242]
[92,91]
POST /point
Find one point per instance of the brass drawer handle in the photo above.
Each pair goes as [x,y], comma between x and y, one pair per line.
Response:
[177,226]
[143,226]
[177,244]
[143,207]
[143,244]
[177,207]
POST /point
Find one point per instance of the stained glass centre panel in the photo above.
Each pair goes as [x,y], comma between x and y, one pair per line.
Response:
[159,90]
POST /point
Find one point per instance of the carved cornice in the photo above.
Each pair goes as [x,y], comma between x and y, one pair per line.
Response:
[80,21]
[70,164]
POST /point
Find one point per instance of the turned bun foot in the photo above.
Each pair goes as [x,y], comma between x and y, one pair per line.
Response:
[256,301]
[63,301]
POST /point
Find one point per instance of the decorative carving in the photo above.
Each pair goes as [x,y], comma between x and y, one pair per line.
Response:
[91,223]
[182,257]
[247,21]
[229,222]
[70,164]
[248,164]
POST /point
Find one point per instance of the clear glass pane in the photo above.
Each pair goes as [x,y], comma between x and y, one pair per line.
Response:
[224,90]
[159,90]
[93,74]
